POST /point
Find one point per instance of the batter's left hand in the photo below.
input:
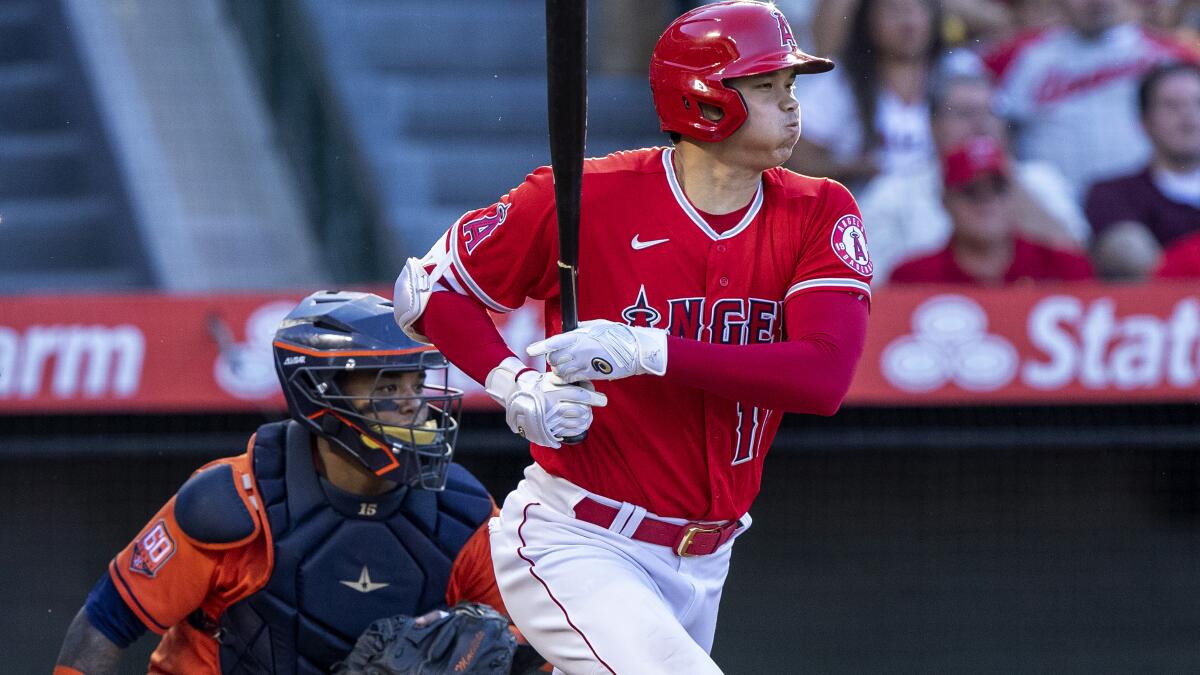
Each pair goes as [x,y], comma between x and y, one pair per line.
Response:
[604,350]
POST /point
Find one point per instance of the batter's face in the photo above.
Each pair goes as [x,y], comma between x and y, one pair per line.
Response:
[393,398]
[1172,118]
[770,132]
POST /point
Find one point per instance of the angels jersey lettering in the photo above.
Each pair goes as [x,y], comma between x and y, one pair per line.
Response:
[647,258]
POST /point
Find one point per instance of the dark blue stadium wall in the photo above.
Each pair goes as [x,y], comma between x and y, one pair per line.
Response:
[1038,556]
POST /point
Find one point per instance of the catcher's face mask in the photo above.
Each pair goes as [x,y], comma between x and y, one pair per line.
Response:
[396,423]
[352,376]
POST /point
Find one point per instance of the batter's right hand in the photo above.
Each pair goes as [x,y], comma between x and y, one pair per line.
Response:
[540,406]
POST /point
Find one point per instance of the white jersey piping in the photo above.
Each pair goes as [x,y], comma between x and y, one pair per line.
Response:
[682,200]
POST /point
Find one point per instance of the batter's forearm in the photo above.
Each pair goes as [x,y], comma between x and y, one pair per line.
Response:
[464,333]
[809,373]
[87,650]
[803,377]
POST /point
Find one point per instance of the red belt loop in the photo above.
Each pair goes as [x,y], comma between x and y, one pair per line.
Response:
[687,540]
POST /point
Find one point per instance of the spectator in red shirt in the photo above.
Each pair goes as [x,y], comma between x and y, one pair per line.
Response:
[1182,259]
[1138,215]
[984,247]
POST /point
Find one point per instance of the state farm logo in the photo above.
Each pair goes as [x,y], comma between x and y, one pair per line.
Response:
[92,361]
[949,343]
[246,370]
[1069,342]
[1091,344]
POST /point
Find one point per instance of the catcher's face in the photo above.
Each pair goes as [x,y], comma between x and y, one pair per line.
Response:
[392,397]
[394,422]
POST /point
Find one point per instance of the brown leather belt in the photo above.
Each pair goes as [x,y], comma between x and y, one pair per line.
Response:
[690,539]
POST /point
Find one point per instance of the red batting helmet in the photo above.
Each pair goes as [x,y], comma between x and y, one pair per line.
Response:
[713,43]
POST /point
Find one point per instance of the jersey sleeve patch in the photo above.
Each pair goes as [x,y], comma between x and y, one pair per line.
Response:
[210,510]
[849,242]
[152,550]
[460,274]
[476,230]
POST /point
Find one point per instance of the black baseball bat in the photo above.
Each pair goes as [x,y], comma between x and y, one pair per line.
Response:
[566,94]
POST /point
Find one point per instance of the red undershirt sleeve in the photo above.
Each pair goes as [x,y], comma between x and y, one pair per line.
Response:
[464,333]
[809,372]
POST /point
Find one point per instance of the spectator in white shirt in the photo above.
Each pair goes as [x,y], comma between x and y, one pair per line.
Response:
[904,212]
[1071,90]
[871,114]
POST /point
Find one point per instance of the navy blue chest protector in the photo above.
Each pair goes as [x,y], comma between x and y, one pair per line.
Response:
[341,561]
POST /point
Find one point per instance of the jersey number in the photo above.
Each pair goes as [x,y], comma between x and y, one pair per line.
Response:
[748,433]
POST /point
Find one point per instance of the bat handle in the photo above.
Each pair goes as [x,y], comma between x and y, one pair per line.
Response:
[567,278]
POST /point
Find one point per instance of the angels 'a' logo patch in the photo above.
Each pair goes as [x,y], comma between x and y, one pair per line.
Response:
[475,231]
[152,550]
[849,243]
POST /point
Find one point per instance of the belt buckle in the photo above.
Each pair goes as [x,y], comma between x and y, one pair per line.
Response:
[681,550]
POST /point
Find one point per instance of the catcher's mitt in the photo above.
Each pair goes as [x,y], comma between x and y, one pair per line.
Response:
[471,639]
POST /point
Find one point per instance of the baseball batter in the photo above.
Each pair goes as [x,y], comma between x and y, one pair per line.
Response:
[721,292]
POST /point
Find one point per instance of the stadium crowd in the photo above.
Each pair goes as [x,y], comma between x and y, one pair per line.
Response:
[1001,141]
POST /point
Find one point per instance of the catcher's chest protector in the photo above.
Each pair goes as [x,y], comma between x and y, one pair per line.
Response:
[341,561]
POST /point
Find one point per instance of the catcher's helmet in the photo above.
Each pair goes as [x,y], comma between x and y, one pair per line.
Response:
[405,438]
[713,43]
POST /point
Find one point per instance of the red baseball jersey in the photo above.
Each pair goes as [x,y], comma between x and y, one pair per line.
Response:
[648,258]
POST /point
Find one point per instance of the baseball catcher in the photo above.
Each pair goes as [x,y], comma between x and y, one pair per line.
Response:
[276,560]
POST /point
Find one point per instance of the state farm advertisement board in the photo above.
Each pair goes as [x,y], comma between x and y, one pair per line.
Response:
[1059,344]
[926,346]
[159,353]
[89,353]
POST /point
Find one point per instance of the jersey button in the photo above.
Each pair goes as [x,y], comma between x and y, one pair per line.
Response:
[721,248]
[724,281]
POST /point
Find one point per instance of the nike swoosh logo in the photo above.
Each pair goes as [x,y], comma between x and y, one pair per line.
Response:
[639,245]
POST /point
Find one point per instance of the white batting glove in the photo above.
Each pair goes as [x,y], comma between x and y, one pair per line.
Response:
[540,406]
[604,350]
